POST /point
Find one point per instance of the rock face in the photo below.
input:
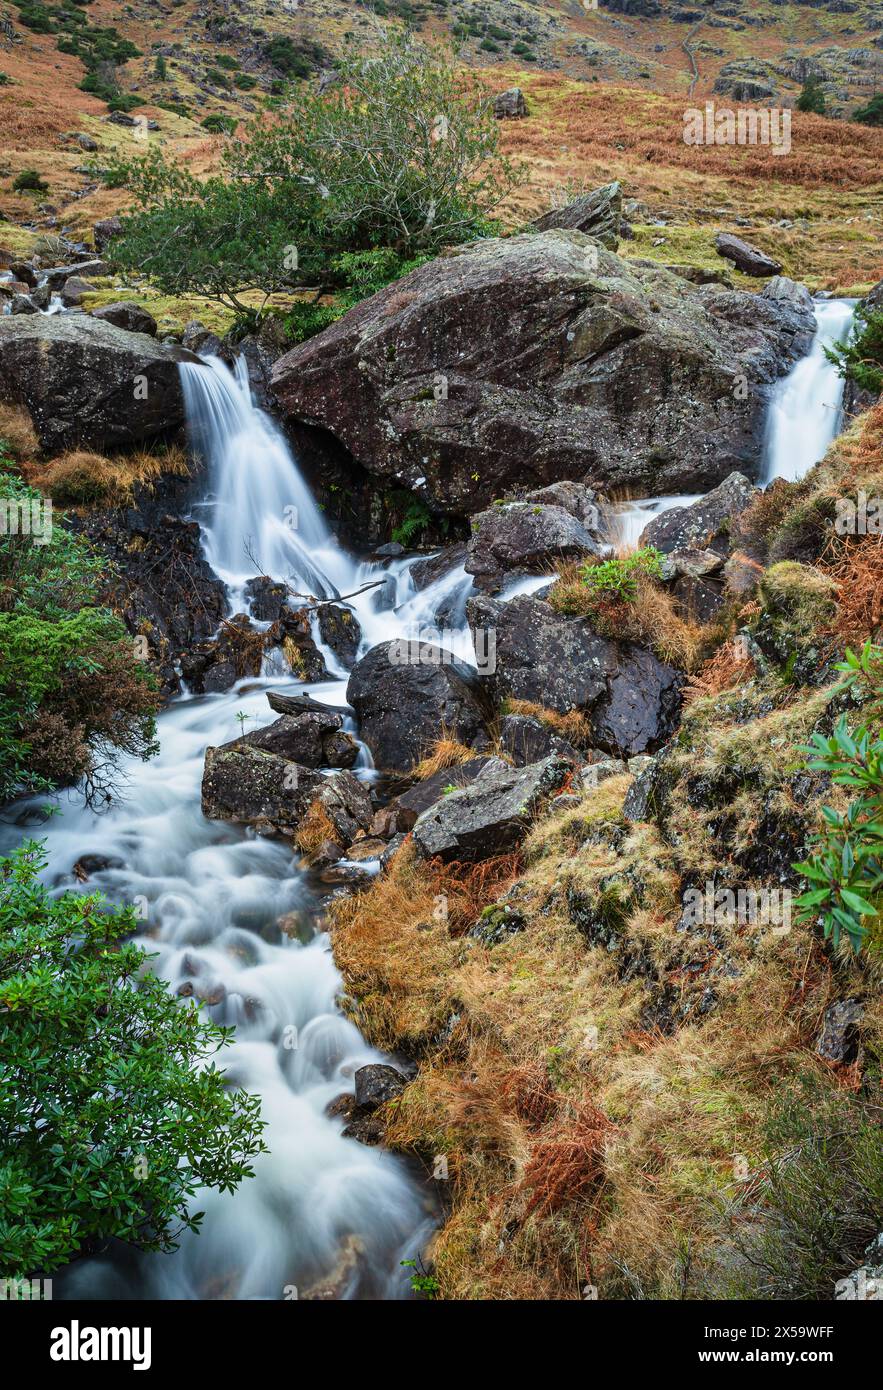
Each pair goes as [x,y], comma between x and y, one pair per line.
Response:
[632,699]
[539,358]
[88,384]
[161,583]
[598,214]
[405,694]
[746,257]
[490,817]
[703,525]
[129,316]
[523,538]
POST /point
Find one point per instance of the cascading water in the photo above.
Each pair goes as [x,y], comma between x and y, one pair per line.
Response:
[805,411]
[320,1206]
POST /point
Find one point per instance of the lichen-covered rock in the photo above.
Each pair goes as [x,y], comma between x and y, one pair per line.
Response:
[704,525]
[746,257]
[598,214]
[127,315]
[631,698]
[490,817]
[312,739]
[523,538]
[542,357]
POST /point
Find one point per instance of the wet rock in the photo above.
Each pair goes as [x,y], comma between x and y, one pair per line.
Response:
[197,338]
[406,694]
[347,804]
[365,848]
[310,739]
[838,1038]
[74,290]
[435,567]
[376,1084]
[510,105]
[58,274]
[294,634]
[214,666]
[301,704]
[523,538]
[527,740]
[23,304]
[490,817]
[632,699]
[746,257]
[249,785]
[340,630]
[705,525]
[598,214]
[127,315]
[267,599]
[158,580]
[41,296]
[78,378]
[403,813]
[510,363]
[698,599]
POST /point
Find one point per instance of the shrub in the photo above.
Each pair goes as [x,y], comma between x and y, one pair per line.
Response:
[812,96]
[872,114]
[861,360]
[845,866]
[220,125]
[29,181]
[72,695]
[817,1201]
[112,1114]
[618,578]
[328,195]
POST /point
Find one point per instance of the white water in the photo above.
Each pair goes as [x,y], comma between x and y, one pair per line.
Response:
[806,409]
[214,893]
[804,415]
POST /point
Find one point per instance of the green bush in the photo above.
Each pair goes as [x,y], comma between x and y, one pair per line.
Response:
[328,194]
[72,695]
[861,359]
[112,1113]
[812,96]
[872,114]
[617,579]
[845,865]
[29,181]
[220,125]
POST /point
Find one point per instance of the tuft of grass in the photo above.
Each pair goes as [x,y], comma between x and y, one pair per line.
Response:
[80,477]
[17,433]
[445,751]
[315,828]
[575,726]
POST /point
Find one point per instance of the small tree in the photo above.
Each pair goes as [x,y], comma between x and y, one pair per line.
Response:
[160,70]
[400,153]
[812,96]
[872,114]
[861,358]
[112,1114]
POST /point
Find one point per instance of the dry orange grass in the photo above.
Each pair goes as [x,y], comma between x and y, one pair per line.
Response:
[566,1164]
[727,668]
[80,477]
[575,726]
[445,751]
[315,828]
[17,432]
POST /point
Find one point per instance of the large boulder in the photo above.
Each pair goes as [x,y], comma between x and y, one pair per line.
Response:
[523,538]
[408,693]
[704,525]
[510,105]
[88,384]
[491,816]
[312,739]
[630,697]
[538,358]
[598,214]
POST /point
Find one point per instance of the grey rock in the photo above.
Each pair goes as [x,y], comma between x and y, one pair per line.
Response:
[510,105]
[23,304]
[523,538]
[705,524]
[838,1037]
[127,315]
[490,817]
[598,214]
[78,376]
[746,257]
[376,1084]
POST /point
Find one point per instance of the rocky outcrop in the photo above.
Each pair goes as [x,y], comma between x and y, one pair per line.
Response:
[158,578]
[406,694]
[704,525]
[631,698]
[490,817]
[598,214]
[313,738]
[88,384]
[523,538]
[746,257]
[402,813]
[510,105]
[539,358]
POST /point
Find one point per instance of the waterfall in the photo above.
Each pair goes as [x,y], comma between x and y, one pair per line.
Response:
[806,406]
